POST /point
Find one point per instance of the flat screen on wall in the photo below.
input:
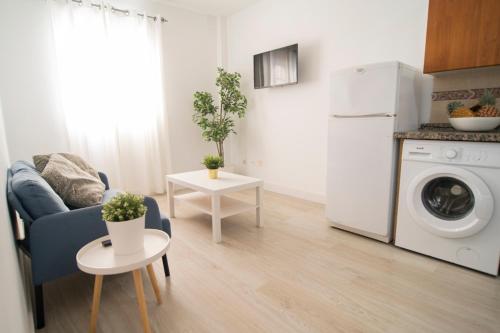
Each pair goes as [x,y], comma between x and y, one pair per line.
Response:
[276,68]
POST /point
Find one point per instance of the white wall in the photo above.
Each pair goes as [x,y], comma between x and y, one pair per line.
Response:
[13,308]
[33,124]
[283,138]
[191,65]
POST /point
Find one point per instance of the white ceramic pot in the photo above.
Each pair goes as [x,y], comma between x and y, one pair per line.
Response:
[127,237]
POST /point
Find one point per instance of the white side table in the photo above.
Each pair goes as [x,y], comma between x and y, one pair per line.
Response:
[96,259]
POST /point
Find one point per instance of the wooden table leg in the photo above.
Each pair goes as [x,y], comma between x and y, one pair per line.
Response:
[95,303]
[141,301]
[258,210]
[216,223]
[170,194]
[154,282]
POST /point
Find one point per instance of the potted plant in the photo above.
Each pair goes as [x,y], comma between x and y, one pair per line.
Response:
[217,121]
[125,219]
[213,163]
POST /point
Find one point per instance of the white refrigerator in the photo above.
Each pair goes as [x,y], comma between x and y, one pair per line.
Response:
[368,104]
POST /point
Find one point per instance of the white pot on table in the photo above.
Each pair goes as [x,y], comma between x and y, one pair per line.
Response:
[127,237]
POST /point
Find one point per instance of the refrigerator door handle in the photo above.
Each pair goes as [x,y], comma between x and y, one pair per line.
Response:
[368,115]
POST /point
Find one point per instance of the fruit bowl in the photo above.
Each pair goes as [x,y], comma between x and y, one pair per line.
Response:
[475,124]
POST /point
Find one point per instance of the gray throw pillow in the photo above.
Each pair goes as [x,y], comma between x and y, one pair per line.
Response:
[42,160]
[76,187]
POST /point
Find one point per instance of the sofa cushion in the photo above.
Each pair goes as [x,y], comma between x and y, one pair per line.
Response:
[76,187]
[42,160]
[33,192]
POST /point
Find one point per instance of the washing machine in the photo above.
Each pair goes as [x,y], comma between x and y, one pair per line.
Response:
[449,202]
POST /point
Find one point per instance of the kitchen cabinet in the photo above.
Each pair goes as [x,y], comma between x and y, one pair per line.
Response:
[462,34]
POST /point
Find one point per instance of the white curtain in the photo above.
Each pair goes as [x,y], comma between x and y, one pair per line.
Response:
[111,92]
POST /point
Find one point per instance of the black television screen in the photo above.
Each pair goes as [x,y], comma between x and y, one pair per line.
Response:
[276,68]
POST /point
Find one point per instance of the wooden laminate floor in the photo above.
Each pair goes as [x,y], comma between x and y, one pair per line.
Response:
[297,274]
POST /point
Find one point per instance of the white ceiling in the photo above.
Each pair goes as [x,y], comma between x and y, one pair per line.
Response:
[211,7]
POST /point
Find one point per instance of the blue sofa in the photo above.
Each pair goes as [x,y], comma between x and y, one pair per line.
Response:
[54,233]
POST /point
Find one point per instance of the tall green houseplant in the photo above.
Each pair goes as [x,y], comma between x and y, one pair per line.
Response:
[217,121]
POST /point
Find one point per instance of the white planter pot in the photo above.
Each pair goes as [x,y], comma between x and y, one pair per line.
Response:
[127,237]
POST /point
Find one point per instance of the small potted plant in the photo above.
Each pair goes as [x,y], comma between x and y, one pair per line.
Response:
[125,219]
[213,163]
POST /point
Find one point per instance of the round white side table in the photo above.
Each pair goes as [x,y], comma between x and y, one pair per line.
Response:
[98,260]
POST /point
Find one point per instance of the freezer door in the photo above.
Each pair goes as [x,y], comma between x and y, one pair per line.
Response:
[360,173]
[364,89]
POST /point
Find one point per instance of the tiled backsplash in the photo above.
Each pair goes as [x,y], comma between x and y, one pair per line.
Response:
[463,94]
[466,86]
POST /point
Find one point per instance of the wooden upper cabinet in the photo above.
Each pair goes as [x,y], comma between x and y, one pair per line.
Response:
[462,34]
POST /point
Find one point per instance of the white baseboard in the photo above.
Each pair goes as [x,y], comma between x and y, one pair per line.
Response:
[309,196]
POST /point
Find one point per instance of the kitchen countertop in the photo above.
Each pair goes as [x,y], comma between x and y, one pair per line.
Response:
[447,133]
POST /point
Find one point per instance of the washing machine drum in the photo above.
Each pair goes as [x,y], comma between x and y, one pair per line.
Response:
[450,202]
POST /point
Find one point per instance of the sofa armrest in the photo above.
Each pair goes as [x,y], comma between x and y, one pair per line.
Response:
[55,239]
[153,218]
[104,179]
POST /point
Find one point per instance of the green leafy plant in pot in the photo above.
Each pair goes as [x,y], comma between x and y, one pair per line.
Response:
[213,163]
[125,220]
[217,121]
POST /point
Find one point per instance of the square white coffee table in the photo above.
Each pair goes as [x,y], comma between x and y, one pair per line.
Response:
[209,196]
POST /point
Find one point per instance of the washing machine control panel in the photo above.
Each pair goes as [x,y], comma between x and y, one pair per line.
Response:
[475,156]
[466,153]
[451,153]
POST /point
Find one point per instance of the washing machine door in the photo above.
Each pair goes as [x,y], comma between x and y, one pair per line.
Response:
[450,202]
